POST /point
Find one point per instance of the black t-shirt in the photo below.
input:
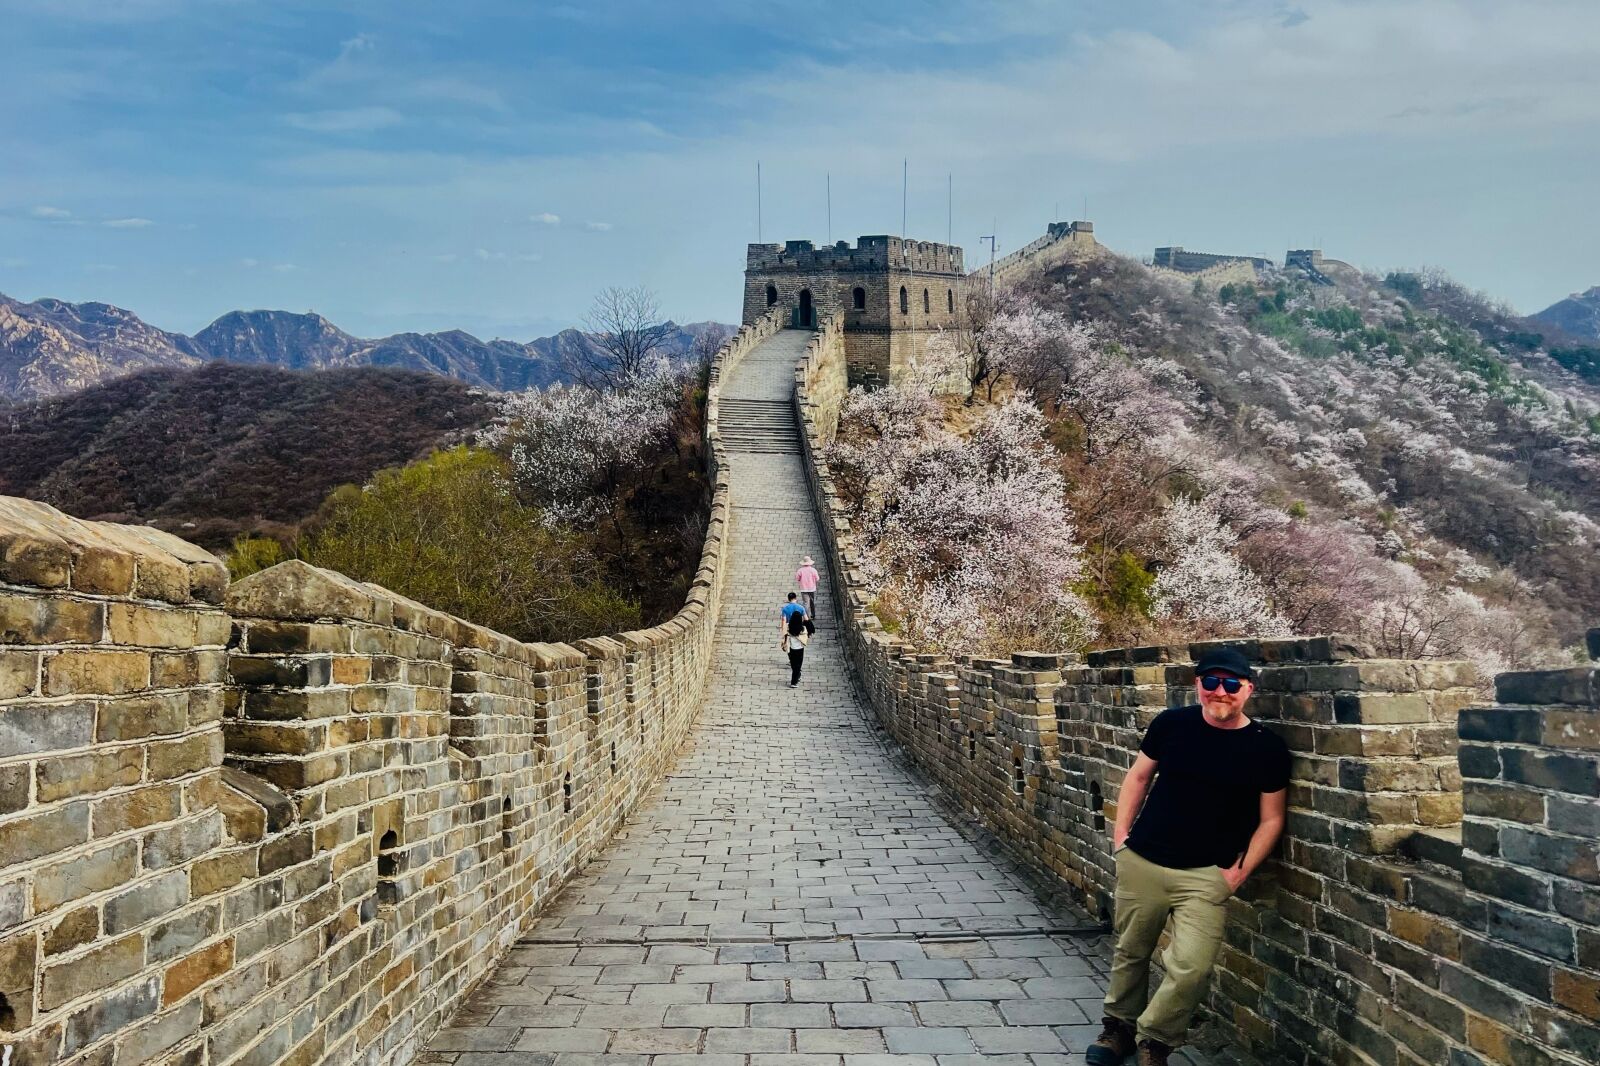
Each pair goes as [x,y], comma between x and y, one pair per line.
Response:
[1206,799]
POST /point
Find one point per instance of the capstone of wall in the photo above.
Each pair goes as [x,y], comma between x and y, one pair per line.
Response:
[296,820]
[1436,895]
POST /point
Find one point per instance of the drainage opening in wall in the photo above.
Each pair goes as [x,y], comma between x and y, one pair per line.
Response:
[1097,807]
[388,861]
[972,745]
[505,823]
[566,792]
[1018,780]
[388,869]
[613,756]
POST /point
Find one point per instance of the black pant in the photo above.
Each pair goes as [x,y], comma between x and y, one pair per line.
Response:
[796,657]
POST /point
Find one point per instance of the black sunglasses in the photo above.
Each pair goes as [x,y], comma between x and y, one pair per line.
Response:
[1230,685]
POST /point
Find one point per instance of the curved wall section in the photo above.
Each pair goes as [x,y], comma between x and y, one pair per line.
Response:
[1436,895]
[296,820]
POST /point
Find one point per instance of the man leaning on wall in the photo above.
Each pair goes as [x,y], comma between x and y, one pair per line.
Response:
[1182,845]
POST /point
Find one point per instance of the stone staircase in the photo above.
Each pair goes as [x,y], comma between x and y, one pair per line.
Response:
[766,426]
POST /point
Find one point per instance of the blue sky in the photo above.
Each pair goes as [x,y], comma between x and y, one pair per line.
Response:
[490,166]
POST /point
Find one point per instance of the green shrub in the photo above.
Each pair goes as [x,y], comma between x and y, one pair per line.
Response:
[250,554]
[448,531]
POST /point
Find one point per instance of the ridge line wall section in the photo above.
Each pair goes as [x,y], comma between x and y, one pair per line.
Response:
[298,820]
[1405,920]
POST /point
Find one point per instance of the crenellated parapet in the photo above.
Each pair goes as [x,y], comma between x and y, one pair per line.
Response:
[1436,895]
[298,819]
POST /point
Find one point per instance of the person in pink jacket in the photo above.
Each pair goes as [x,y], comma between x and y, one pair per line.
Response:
[805,579]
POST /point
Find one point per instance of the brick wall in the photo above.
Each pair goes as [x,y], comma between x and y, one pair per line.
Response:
[294,821]
[1436,896]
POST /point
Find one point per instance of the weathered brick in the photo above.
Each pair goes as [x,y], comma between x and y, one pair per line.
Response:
[1544,686]
[69,673]
[34,619]
[32,728]
[1564,855]
[110,1014]
[46,833]
[176,935]
[1571,729]
[137,809]
[1502,724]
[134,625]
[63,882]
[1490,799]
[94,970]
[194,837]
[1425,931]
[16,785]
[189,755]
[96,771]
[142,716]
[1577,774]
[1534,932]
[186,975]
[1578,992]
[149,899]
[19,673]
[162,1033]
[1509,967]
[222,871]
[73,930]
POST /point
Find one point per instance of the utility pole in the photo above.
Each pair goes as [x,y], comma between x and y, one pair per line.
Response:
[990,239]
[949,210]
[758,202]
[905,184]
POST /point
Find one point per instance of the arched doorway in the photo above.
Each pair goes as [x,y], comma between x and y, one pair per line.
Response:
[805,316]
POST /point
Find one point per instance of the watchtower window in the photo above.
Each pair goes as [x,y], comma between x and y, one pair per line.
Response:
[925,305]
[772,295]
[950,300]
[858,298]
[905,301]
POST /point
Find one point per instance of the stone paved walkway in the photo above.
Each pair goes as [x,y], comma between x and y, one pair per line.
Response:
[791,895]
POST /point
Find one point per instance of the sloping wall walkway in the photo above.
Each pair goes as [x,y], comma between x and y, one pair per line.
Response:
[790,889]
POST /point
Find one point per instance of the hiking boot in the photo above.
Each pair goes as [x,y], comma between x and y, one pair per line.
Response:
[1153,1053]
[1114,1043]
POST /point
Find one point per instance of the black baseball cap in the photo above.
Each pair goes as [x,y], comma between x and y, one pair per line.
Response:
[1227,660]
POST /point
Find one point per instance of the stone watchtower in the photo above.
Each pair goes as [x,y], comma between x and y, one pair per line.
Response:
[894,294]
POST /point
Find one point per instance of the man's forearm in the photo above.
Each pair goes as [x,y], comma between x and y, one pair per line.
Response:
[1262,841]
[1129,800]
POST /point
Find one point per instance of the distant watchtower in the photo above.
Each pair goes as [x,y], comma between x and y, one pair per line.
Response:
[894,294]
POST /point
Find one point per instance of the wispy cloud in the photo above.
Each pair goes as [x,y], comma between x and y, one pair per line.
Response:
[127,223]
[248,263]
[487,256]
[345,120]
[545,218]
[597,227]
[284,268]
[52,213]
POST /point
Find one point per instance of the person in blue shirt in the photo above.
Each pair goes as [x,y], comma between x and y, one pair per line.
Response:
[797,629]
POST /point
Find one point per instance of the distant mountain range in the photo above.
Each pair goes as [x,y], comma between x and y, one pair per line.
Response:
[1578,314]
[50,347]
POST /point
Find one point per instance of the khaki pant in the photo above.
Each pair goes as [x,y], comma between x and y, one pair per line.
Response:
[1146,895]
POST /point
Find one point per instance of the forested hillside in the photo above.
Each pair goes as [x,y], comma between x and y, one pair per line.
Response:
[1395,458]
[222,449]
